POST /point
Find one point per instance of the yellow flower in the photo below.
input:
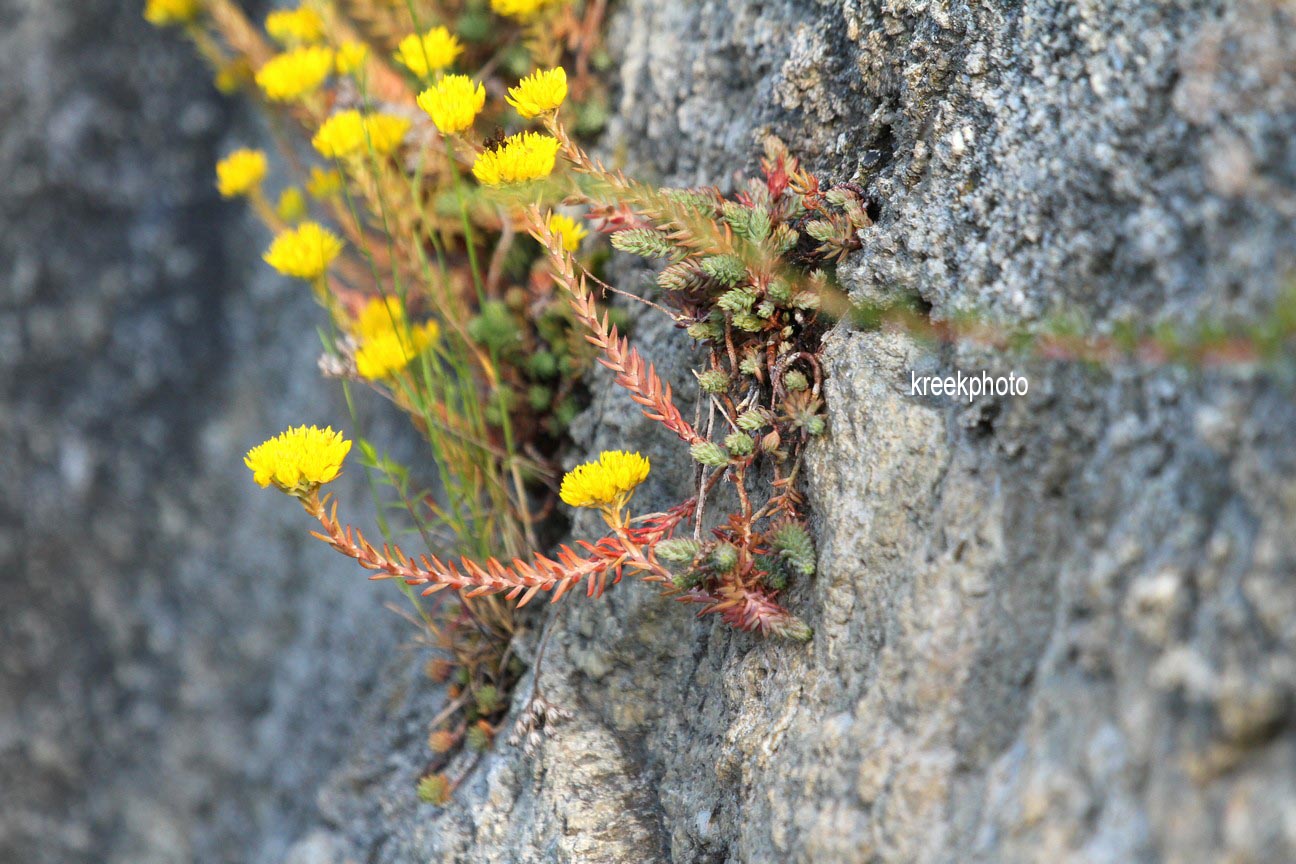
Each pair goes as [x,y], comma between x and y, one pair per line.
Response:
[165,12]
[298,461]
[385,354]
[606,484]
[349,133]
[240,172]
[520,8]
[324,183]
[522,157]
[378,316]
[351,57]
[300,26]
[568,230]
[388,342]
[386,132]
[304,252]
[453,103]
[289,76]
[431,52]
[292,206]
[539,93]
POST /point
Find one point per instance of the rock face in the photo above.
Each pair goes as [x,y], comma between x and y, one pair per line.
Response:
[1058,626]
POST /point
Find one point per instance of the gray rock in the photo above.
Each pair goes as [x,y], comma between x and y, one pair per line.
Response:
[181,662]
[1051,627]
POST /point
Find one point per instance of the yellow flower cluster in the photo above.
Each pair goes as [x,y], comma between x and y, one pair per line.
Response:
[606,484]
[349,133]
[324,183]
[521,9]
[539,93]
[522,157]
[387,354]
[289,76]
[240,172]
[387,341]
[300,26]
[453,103]
[351,57]
[568,230]
[162,13]
[431,52]
[378,316]
[304,252]
[298,461]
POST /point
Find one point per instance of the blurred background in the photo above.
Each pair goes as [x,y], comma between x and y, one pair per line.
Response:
[180,660]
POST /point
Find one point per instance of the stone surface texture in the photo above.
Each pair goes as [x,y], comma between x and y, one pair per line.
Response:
[180,661]
[1056,627]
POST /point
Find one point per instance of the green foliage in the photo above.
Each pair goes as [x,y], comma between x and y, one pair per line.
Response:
[751,223]
[688,580]
[698,202]
[755,419]
[776,575]
[784,240]
[704,330]
[724,558]
[495,327]
[542,364]
[713,381]
[820,229]
[488,699]
[474,25]
[740,443]
[434,789]
[737,300]
[679,551]
[683,276]
[793,544]
[643,242]
[501,405]
[477,739]
[725,269]
[710,454]
[539,397]
[565,413]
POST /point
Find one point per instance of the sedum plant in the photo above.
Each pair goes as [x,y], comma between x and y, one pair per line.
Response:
[441,212]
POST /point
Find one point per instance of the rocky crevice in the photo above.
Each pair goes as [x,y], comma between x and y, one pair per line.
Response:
[1051,627]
